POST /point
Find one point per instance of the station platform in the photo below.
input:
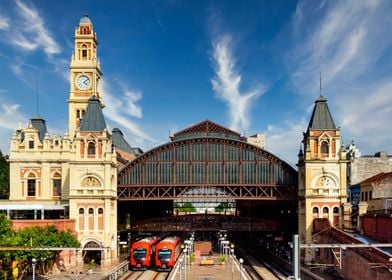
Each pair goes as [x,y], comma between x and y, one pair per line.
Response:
[209,268]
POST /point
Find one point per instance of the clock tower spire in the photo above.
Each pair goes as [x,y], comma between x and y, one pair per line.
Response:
[85,74]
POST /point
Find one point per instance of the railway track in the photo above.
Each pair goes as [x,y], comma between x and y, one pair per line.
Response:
[145,275]
[267,265]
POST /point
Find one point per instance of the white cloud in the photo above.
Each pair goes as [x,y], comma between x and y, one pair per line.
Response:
[4,23]
[351,37]
[31,32]
[121,106]
[27,30]
[284,139]
[226,85]
[10,118]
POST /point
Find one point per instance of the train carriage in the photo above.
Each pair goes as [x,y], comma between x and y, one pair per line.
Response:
[167,252]
[143,252]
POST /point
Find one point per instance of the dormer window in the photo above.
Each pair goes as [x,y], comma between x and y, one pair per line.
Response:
[31,144]
[91,149]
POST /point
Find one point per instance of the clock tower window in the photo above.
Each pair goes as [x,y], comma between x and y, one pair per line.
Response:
[91,149]
[324,148]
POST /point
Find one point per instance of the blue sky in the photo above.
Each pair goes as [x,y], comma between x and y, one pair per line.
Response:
[252,66]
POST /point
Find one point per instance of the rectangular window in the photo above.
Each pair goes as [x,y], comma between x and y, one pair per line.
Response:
[56,187]
[31,144]
[31,187]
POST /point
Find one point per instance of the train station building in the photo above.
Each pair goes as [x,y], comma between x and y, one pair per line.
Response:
[93,182]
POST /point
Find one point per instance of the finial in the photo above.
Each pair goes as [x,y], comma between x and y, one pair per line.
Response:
[321,93]
[37,98]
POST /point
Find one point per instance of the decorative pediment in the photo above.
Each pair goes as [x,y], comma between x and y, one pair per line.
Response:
[325,135]
[206,128]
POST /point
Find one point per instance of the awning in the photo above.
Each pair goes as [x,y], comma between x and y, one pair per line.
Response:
[32,207]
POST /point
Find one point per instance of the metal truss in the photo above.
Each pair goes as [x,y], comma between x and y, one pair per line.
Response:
[164,192]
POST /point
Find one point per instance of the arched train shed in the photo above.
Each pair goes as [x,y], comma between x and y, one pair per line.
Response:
[207,161]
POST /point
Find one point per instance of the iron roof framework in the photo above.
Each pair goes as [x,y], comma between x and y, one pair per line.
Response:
[207,161]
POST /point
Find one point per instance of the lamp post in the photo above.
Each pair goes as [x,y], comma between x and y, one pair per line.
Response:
[129,243]
[33,261]
[118,246]
[241,262]
[232,263]
[180,260]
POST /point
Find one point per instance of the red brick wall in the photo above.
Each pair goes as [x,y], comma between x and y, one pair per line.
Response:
[377,227]
[64,224]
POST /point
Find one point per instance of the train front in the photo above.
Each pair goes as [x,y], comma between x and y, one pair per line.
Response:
[140,258]
[165,259]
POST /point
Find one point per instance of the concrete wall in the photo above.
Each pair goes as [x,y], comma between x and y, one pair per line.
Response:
[368,166]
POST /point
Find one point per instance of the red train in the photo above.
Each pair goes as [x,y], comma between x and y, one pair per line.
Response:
[167,252]
[143,252]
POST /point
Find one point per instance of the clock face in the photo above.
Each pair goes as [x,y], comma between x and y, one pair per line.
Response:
[83,82]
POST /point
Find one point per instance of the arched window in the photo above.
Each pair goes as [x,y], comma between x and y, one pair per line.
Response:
[324,147]
[100,218]
[31,185]
[84,52]
[91,219]
[325,211]
[56,182]
[315,212]
[91,149]
[81,219]
[336,210]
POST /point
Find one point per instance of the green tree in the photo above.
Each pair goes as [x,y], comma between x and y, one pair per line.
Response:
[4,176]
[188,207]
[34,237]
[222,207]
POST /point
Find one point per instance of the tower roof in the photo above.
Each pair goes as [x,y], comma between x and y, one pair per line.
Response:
[321,116]
[93,119]
[85,20]
[122,144]
[39,123]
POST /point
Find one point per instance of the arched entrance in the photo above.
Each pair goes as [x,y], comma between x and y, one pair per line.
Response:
[91,254]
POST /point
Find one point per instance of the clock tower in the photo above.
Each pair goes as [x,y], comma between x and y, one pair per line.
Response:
[322,178]
[85,74]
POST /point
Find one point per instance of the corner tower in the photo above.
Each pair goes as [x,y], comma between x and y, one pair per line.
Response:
[322,185]
[85,73]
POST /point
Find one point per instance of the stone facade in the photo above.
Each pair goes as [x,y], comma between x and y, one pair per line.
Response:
[73,177]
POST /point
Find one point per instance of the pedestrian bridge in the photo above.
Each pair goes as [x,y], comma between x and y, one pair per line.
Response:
[205,222]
